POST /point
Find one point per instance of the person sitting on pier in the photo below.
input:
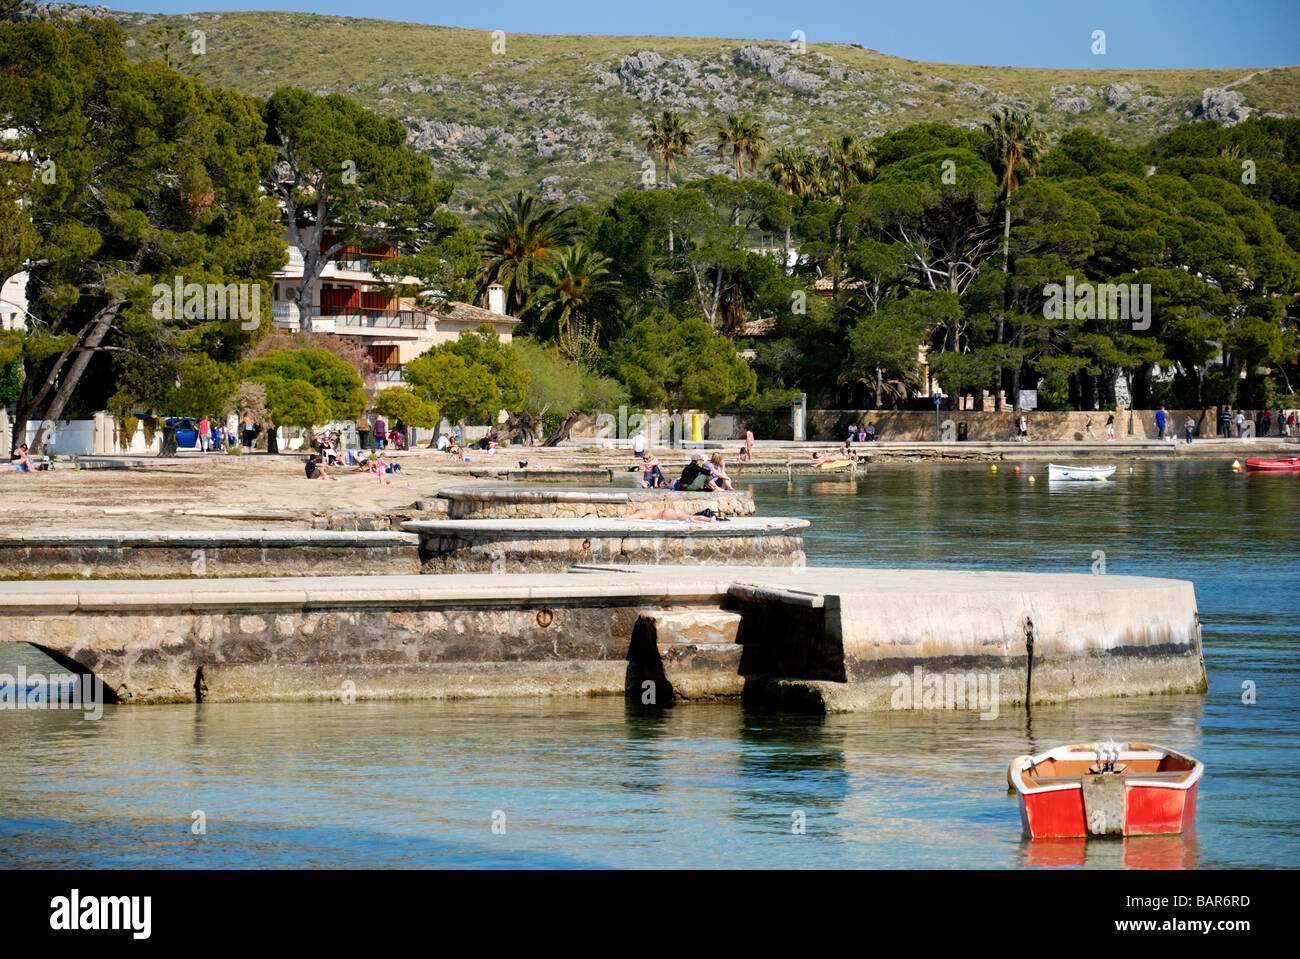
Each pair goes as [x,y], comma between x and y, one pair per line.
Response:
[654,476]
[871,433]
[718,468]
[669,513]
[695,477]
[316,470]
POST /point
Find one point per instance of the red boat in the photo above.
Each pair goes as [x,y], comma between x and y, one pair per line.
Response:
[1292,464]
[1106,789]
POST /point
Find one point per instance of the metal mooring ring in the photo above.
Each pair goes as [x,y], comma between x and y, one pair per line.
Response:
[545,617]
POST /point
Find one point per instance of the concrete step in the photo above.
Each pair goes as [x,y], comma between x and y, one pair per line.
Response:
[686,654]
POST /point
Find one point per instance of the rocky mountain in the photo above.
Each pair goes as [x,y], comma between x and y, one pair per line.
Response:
[565,114]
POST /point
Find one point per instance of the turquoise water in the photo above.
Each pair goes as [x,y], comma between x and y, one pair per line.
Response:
[578,783]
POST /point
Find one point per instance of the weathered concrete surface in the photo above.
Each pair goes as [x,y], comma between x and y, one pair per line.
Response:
[353,682]
[813,638]
[149,640]
[1092,635]
[39,516]
[143,554]
[559,474]
[688,654]
[541,545]
[510,501]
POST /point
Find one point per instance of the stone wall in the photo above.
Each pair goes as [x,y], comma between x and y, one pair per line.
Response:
[482,546]
[919,425]
[488,502]
[158,554]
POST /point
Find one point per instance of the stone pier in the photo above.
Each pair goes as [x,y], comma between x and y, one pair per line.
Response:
[819,639]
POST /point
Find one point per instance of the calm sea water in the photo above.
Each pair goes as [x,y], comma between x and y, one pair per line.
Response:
[602,783]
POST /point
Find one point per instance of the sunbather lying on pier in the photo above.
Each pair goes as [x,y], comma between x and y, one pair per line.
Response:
[669,513]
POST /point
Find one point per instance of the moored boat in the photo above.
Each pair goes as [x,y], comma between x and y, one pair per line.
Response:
[1106,789]
[1274,465]
[1056,472]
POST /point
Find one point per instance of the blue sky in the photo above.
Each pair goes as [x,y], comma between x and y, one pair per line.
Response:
[1140,34]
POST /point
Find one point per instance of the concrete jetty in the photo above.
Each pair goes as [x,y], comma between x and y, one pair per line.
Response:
[553,545]
[132,554]
[511,501]
[820,639]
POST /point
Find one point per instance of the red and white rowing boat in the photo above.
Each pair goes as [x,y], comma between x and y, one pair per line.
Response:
[1288,464]
[1106,789]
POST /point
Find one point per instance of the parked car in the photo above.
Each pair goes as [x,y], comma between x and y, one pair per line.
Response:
[185,429]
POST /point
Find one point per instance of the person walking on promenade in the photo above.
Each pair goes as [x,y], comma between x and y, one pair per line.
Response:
[1189,427]
[1087,429]
[638,445]
[1291,424]
[1225,423]
[1241,422]
[248,434]
[1023,426]
[1110,426]
[1161,419]
[363,431]
[749,446]
[1265,423]
[205,436]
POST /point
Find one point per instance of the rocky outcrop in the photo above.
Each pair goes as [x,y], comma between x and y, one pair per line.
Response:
[639,65]
[776,66]
[1225,107]
[1072,105]
[55,11]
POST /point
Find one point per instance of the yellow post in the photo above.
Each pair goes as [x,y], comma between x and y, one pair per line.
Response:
[697,432]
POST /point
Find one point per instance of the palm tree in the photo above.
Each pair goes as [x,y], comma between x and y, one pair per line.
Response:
[666,139]
[743,137]
[519,236]
[791,168]
[1017,145]
[570,295]
[848,162]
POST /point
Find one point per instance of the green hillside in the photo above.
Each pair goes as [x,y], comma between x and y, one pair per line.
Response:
[564,114]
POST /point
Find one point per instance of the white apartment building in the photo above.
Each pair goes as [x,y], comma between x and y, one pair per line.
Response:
[348,300]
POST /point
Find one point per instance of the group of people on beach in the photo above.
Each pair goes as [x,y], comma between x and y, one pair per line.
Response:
[318,466]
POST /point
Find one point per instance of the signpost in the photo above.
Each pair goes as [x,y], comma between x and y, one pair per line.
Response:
[938,430]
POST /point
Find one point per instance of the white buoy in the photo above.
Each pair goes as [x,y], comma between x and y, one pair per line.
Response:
[1031,479]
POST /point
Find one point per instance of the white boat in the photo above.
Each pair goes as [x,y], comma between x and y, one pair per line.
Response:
[1103,473]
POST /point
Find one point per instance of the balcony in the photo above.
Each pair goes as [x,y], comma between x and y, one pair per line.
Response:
[359,317]
[389,374]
